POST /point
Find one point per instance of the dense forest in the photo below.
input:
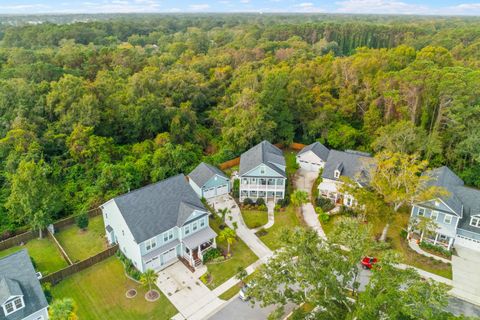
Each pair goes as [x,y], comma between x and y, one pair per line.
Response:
[90,110]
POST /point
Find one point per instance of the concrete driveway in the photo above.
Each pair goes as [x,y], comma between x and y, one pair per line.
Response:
[466,281]
[241,310]
[186,292]
[304,180]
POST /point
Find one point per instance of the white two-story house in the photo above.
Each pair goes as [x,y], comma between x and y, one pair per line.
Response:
[313,157]
[21,295]
[457,215]
[352,164]
[159,224]
[262,173]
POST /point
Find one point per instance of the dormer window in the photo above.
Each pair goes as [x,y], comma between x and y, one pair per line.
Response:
[475,222]
[262,170]
[13,305]
[337,174]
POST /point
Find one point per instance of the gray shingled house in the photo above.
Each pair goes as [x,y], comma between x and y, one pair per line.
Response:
[262,173]
[21,295]
[209,181]
[352,164]
[456,215]
[313,157]
[158,224]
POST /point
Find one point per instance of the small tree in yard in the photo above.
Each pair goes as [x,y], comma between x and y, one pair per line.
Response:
[229,236]
[82,221]
[298,198]
[424,224]
[224,213]
[63,309]
[241,274]
[148,279]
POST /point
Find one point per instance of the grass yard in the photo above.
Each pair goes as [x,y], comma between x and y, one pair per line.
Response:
[254,218]
[233,291]
[81,245]
[99,293]
[242,256]
[291,162]
[230,170]
[399,244]
[44,252]
[288,219]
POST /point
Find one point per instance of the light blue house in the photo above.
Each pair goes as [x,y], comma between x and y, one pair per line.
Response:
[209,181]
[159,224]
[262,173]
[456,215]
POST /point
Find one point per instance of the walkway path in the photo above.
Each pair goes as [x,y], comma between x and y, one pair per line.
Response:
[414,245]
[304,180]
[271,217]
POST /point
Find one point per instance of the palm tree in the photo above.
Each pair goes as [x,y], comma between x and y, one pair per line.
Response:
[298,198]
[149,278]
[228,235]
[223,213]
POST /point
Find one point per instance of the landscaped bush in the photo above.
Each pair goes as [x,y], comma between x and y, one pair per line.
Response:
[403,233]
[344,210]
[47,291]
[262,207]
[130,269]
[211,254]
[435,249]
[325,203]
[324,217]
[82,221]
[260,201]
[262,232]
[205,278]
[247,202]
[236,188]
[284,202]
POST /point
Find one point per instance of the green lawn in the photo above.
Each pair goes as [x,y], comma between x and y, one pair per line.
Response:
[288,219]
[81,245]
[242,256]
[254,218]
[291,162]
[399,244]
[44,252]
[99,293]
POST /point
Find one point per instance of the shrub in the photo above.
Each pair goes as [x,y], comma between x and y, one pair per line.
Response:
[262,232]
[324,217]
[260,202]
[325,203]
[236,188]
[284,202]
[34,263]
[47,291]
[262,207]
[211,254]
[82,221]
[403,233]
[344,210]
[436,249]
[205,277]
[129,267]
[247,202]
[277,207]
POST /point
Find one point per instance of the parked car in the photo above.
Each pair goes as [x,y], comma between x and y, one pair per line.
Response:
[243,293]
[369,262]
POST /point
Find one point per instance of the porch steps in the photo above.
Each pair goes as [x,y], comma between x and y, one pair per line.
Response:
[185,262]
[198,262]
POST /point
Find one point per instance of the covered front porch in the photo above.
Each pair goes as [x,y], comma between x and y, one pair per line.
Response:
[435,238]
[195,245]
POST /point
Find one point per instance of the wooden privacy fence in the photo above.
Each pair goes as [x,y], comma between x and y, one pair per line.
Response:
[71,220]
[18,239]
[230,163]
[58,276]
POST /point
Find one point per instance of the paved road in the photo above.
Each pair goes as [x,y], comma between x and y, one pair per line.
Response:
[237,309]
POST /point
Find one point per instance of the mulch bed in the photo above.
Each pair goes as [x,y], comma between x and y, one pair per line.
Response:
[132,293]
[152,295]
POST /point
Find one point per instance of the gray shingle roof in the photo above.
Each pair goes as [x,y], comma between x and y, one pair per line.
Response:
[319,149]
[204,172]
[18,278]
[156,208]
[446,178]
[263,153]
[352,164]
[463,200]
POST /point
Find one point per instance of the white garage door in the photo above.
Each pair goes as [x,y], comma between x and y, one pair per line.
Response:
[169,255]
[154,263]
[208,193]
[309,166]
[222,190]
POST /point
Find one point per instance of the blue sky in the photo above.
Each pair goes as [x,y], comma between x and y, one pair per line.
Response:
[443,7]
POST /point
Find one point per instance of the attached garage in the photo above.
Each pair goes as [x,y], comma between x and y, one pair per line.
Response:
[209,181]
[222,189]
[309,166]
[153,263]
[312,157]
[209,193]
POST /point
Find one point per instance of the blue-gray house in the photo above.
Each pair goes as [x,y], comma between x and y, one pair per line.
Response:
[209,181]
[456,215]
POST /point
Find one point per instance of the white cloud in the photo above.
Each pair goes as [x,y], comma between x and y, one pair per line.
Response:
[199,7]
[307,7]
[245,1]
[381,6]
[463,9]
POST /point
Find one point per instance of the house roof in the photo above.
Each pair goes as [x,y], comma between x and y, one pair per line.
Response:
[156,208]
[463,200]
[318,149]
[263,153]
[204,172]
[17,277]
[446,178]
[352,164]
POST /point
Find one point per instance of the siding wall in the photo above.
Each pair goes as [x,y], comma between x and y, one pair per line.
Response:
[444,228]
[41,313]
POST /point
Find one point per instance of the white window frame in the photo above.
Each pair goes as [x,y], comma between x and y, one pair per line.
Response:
[13,305]
[336,174]
[422,210]
[477,223]
[168,236]
[202,222]
[186,229]
[194,226]
[445,219]
[262,170]
[151,244]
[434,213]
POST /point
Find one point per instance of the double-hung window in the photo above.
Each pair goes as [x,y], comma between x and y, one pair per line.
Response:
[194,226]
[187,229]
[447,219]
[150,244]
[167,236]
[421,212]
[202,222]
[434,215]
[475,222]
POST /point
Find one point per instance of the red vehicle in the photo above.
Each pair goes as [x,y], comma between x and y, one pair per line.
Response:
[368,262]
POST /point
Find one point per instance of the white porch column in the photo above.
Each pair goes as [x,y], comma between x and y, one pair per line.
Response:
[421,236]
[436,238]
[450,242]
